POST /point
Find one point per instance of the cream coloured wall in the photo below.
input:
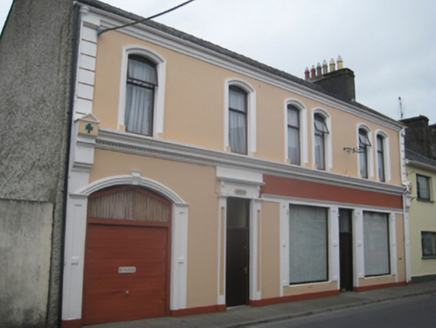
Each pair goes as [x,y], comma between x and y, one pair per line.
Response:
[270,250]
[422,217]
[196,185]
[195,108]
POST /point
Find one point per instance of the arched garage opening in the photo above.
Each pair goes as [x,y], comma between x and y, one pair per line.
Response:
[127,255]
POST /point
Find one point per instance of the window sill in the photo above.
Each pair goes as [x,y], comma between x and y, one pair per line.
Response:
[429,257]
[425,200]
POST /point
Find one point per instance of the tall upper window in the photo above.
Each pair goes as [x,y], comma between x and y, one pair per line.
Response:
[364,143]
[381,158]
[423,187]
[293,135]
[320,132]
[237,120]
[140,95]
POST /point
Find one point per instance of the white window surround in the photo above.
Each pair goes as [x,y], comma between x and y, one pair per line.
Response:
[251,113]
[303,129]
[328,138]
[370,150]
[386,153]
[159,101]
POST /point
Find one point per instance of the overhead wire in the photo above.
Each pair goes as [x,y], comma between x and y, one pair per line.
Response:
[100,30]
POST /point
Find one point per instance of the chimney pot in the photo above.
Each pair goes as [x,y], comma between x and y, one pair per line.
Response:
[307,73]
[332,65]
[325,68]
[340,63]
[318,70]
[312,72]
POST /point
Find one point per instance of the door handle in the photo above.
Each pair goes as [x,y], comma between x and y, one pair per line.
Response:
[245,270]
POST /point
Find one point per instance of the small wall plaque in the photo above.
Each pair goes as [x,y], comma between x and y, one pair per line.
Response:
[131,269]
[241,192]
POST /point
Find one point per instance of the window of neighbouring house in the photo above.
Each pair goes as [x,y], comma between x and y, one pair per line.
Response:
[293,135]
[308,244]
[237,120]
[423,187]
[364,145]
[376,243]
[140,95]
[428,240]
[381,158]
[321,131]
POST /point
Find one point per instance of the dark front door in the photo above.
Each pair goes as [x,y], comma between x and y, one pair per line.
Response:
[346,249]
[237,255]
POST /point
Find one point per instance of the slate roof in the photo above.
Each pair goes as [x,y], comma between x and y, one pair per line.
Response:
[220,50]
[417,158]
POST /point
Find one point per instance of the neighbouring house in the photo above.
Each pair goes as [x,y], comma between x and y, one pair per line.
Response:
[199,179]
[36,66]
[421,173]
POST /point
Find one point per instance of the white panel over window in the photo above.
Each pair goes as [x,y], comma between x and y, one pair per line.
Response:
[308,259]
[376,240]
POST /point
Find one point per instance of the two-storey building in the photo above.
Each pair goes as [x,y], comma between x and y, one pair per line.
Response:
[200,180]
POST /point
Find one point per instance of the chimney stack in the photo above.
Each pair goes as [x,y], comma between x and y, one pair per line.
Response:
[339,82]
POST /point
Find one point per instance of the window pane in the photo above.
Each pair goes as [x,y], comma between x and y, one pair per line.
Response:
[428,243]
[376,243]
[293,119]
[363,138]
[237,99]
[141,70]
[139,109]
[237,132]
[319,151]
[293,146]
[380,159]
[363,162]
[423,187]
[308,244]
[320,124]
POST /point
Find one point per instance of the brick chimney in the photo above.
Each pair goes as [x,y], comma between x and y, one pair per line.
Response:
[339,82]
[419,135]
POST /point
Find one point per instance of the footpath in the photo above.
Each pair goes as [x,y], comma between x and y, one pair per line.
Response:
[250,316]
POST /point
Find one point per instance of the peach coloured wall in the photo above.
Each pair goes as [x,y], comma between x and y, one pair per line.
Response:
[372,281]
[194,107]
[270,250]
[312,288]
[195,184]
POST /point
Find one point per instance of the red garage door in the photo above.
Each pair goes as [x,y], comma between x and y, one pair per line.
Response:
[126,258]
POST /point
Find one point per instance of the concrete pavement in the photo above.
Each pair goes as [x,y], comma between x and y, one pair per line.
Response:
[249,316]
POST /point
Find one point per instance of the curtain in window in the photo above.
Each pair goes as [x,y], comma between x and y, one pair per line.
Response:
[320,131]
[293,135]
[308,242]
[363,154]
[380,159]
[237,121]
[141,79]
[319,151]
[428,243]
[376,243]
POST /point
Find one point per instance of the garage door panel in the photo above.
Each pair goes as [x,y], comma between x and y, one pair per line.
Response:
[141,292]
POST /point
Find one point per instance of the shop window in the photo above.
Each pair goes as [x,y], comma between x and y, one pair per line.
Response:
[308,244]
[376,243]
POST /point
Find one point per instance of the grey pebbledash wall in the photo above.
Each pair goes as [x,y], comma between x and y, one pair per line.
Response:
[36,48]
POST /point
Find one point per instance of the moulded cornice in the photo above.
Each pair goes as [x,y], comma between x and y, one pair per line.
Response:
[187,47]
[146,146]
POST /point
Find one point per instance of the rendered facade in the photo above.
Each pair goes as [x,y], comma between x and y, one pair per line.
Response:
[421,173]
[199,179]
[261,187]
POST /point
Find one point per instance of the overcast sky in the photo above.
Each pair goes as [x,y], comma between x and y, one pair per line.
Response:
[389,44]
